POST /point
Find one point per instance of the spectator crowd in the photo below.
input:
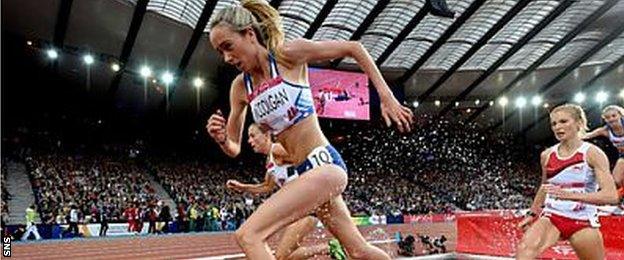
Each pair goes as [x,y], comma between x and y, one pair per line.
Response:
[6,196]
[440,167]
[94,186]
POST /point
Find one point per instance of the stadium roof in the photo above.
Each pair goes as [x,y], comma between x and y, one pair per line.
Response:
[489,49]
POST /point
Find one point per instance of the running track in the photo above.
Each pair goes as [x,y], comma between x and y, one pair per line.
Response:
[202,245]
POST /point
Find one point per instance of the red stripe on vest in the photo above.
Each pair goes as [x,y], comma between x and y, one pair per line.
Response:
[556,165]
[264,87]
[572,185]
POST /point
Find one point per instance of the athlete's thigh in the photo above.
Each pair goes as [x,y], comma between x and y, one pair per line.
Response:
[296,200]
[588,244]
[293,235]
[541,235]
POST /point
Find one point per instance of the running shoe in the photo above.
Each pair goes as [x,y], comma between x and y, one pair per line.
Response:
[336,251]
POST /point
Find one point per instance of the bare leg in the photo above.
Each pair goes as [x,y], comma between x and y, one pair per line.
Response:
[618,173]
[292,202]
[309,252]
[336,217]
[292,237]
[588,244]
[540,236]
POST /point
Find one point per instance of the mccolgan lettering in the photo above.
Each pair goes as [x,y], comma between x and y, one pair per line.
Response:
[271,102]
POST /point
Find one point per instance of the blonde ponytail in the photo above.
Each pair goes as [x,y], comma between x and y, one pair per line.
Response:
[262,18]
[615,108]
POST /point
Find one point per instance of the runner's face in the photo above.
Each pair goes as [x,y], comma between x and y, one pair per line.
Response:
[236,48]
[564,126]
[259,141]
[612,117]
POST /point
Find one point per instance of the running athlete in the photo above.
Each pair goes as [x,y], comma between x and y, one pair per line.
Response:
[274,84]
[277,175]
[572,171]
[614,130]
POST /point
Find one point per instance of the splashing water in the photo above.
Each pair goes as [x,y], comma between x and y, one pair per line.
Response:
[509,235]
[382,239]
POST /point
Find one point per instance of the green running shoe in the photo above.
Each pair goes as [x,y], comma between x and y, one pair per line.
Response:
[336,251]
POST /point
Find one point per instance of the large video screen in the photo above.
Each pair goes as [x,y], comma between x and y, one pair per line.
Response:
[340,94]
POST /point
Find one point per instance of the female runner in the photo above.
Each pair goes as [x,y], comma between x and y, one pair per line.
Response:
[277,176]
[572,171]
[274,83]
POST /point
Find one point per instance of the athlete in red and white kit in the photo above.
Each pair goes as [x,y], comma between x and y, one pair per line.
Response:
[572,173]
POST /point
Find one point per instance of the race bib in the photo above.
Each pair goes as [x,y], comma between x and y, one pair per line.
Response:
[320,156]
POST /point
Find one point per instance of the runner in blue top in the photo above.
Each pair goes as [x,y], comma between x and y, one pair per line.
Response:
[274,83]
[614,130]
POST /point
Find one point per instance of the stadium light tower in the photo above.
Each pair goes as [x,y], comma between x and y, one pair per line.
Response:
[88,59]
[52,54]
[167,78]
[198,83]
[536,100]
[579,98]
[503,101]
[602,97]
[115,67]
[521,102]
[145,72]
